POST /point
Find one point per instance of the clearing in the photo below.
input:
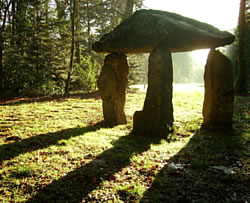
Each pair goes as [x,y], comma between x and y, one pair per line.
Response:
[56,149]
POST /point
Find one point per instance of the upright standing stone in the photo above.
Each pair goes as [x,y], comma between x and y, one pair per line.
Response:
[157,114]
[172,33]
[219,96]
[112,84]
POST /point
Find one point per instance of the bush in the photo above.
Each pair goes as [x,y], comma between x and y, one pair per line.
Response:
[84,75]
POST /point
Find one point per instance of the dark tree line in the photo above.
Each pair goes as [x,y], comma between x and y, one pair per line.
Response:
[45,45]
[243,75]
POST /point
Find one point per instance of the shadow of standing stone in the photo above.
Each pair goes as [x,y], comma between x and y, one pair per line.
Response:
[157,115]
[112,85]
[219,94]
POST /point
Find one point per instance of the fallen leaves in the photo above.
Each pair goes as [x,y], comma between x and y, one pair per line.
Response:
[57,139]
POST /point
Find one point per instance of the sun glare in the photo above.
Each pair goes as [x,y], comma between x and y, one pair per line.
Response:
[222,14]
[200,56]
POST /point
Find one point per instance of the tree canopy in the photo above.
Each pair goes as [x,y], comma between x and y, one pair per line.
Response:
[45,45]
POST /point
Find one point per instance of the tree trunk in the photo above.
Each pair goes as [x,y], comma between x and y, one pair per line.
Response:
[67,86]
[21,9]
[128,10]
[13,8]
[37,40]
[47,12]
[241,81]
[2,28]
[88,30]
[78,30]
[1,61]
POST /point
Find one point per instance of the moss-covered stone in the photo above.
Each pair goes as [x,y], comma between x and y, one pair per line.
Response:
[112,84]
[157,115]
[219,94]
[146,29]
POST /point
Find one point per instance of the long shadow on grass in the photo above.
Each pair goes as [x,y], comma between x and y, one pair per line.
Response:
[209,169]
[76,185]
[8,151]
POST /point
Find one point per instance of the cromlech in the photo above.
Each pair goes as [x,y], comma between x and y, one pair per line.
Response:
[161,33]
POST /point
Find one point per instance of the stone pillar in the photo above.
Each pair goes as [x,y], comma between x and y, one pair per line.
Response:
[112,84]
[157,115]
[219,94]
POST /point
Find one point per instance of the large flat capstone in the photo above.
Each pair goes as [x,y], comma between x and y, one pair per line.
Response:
[147,29]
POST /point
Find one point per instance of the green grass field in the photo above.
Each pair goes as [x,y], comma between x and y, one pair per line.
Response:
[57,150]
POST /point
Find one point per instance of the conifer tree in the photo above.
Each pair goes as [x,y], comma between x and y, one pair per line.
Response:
[241,81]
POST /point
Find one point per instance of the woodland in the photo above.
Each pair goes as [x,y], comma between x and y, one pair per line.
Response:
[45,46]
[54,145]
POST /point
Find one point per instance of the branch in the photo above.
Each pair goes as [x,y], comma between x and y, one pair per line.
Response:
[5,15]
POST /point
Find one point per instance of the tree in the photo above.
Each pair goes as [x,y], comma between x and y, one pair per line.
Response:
[4,8]
[45,45]
[182,63]
[138,64]
[28,55]
[72,16]
[248,39]
[129,9]
[241,81]
[78,30]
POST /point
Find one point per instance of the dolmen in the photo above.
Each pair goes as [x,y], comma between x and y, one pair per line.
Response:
[161,33]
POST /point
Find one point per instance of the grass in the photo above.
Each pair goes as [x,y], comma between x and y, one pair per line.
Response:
[57,150]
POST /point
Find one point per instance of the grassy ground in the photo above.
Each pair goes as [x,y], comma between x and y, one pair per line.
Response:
[56,150]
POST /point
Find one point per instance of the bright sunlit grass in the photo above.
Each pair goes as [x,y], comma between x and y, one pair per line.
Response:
[56,150]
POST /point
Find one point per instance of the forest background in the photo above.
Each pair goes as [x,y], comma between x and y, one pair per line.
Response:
[45,46]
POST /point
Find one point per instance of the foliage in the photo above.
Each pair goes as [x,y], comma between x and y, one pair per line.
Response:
[84,74]
[182,63]
[55,149]
[28,50]
[241,86]
[42,40]
[185,70]
[137,69]
[248,40]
